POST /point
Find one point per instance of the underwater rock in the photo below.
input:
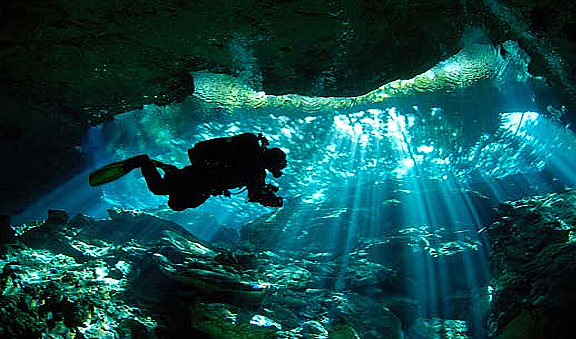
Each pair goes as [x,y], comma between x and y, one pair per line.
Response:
[55,235]
[134,273]
[371,319]
[368,278]
[84,238]
[290,276]
[110,251]
[343,331]
[438,328]
[473,65]
[57,217]
[7,234]
[271,46]
[179,246]
[222,321]
[52,295]
[533,268]
[393,267]
[127,225]
[313,330]
[389,268]
[194,267]
[214,284]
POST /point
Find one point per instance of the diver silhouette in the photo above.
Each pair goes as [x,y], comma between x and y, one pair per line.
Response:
[217,165]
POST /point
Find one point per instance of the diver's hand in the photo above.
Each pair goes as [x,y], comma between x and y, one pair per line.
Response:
[269,198]
[272,201]
[271,188]
[266,197]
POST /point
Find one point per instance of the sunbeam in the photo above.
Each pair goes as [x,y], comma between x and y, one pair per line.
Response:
[407,190]
[386,204]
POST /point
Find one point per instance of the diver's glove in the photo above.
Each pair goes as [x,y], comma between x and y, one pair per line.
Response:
[271,201]
[271,188]
[266,197]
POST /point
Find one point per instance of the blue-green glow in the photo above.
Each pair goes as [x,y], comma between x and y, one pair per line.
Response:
[415,181]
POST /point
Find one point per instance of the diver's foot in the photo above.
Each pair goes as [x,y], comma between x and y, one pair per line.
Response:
[136,162]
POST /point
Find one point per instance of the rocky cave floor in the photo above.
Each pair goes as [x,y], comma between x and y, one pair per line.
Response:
[134,275]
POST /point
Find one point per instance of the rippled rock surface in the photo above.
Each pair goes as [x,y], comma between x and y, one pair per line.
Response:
[136,275]
[533,267]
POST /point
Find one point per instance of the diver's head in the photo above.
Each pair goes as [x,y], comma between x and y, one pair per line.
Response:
[275,161]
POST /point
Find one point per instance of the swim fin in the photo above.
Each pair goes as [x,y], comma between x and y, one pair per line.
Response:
[108,173]
[115,170]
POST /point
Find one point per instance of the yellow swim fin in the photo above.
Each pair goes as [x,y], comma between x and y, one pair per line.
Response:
[108,173]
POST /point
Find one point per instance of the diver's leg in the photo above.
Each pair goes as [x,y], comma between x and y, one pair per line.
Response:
[135,162]
[176,204]
[156,184]
[181,202]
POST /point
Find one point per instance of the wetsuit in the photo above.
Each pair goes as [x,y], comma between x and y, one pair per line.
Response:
[217,165]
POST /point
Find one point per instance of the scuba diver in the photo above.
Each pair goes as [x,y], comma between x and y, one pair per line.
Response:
[217,165]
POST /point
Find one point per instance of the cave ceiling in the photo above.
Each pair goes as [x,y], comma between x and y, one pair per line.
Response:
[105,57]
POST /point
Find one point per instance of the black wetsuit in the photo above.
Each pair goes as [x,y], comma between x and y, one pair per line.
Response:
[217,165]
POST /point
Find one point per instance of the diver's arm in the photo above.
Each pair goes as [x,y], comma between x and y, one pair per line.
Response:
[263,193]
[256,186]
[156,184]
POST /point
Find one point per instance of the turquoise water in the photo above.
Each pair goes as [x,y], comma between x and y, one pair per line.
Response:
[357,179]
[409,185]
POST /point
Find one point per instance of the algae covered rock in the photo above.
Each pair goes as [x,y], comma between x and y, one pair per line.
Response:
[134,273]
[164,281]
[53,295]
[533,267]
[78,276]
[439,329]
[223,321]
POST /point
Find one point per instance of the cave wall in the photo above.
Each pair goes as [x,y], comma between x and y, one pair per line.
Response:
[532,252]
[69,65]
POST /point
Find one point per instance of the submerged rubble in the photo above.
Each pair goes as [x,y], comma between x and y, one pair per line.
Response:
[533,267]
[136,275]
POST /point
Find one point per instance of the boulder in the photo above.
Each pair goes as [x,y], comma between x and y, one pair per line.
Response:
[532,267]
